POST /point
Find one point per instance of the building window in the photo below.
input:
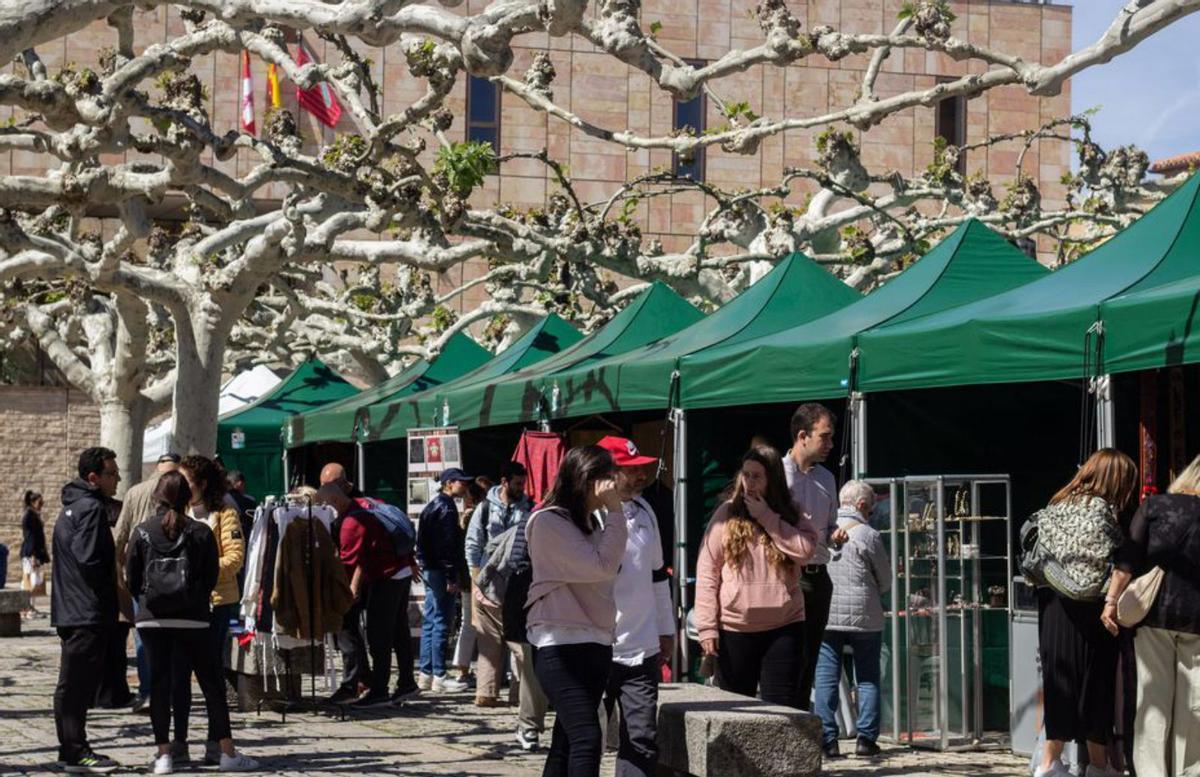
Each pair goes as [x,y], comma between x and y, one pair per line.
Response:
[690,114]
[950,124]
[483,112]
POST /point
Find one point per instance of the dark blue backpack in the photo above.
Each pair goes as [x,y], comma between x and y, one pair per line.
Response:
[398,525]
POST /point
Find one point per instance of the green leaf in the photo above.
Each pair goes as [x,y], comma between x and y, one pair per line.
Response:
[655,29]
[465,165]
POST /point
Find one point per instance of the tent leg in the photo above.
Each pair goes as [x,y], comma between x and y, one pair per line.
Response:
[858,422]
[361,450]
[679,661]
[286,472]
[1106,431]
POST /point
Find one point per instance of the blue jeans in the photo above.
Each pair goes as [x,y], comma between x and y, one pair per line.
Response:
[866,646]
[436,617]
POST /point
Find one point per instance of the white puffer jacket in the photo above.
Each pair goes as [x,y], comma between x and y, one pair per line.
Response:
[861,574]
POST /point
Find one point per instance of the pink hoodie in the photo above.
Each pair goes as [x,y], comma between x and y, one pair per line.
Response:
[755,596]
[573,572]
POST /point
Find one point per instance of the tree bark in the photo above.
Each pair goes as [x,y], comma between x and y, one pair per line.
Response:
[122,428]
[200,352]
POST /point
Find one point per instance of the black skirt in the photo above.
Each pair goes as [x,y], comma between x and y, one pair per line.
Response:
[1079,669]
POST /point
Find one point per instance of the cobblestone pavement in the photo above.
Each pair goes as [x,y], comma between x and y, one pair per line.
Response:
[435,735]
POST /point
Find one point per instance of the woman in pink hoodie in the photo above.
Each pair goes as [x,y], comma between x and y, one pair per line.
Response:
[572,612]
[749,607]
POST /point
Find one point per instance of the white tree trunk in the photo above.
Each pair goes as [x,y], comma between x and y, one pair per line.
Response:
[200,353]
[122,428]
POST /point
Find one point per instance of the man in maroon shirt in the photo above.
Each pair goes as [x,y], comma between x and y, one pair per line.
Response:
[380,581]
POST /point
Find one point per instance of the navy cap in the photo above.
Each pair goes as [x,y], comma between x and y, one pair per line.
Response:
[452,474]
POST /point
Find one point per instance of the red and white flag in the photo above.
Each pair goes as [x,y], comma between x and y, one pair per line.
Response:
[247,95]
[320,100]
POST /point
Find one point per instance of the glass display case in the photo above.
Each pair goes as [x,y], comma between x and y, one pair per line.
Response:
[945,675]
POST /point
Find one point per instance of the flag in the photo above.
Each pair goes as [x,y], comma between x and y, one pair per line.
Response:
[319,100]
[247,95]
[273,100]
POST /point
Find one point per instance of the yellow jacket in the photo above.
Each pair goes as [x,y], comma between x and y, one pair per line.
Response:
[231,554]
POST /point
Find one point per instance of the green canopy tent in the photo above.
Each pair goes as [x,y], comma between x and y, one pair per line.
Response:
[796,290]
[810,360]
[532,394]
[1153,328]
[391,419]
[1042,330]
[250,440]
[344,421]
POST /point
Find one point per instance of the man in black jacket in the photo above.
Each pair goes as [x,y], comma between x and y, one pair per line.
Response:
[83,603]
[444,564]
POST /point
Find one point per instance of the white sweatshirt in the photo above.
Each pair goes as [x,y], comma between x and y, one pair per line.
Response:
[644,607]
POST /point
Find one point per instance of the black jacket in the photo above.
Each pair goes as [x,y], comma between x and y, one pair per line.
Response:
[84,589]
[1165,532]
[439,539]
[197,543]
[33,537]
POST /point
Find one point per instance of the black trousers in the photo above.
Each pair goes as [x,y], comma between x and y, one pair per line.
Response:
[574,678]
[388,633]
[113,691]
[80,669]
[818,594]
[762,663]
[1079,669]
[635,689]
[353,646]
[174,654]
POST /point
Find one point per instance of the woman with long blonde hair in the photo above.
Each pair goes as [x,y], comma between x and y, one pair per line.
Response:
[1165,533]
[749,606]
[1081,530]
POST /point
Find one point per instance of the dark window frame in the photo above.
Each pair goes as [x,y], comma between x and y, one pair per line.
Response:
[958,105]
[492,125]
[679,168]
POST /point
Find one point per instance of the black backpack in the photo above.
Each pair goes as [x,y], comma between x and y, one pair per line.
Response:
[168,582]
[514,610]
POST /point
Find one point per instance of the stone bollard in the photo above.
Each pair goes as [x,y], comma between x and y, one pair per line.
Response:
[12,601]
[707,732]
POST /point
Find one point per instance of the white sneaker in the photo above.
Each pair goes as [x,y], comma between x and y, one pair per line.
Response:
[424,681]
[446,684]
[528,740]
[238,763]
[1056,770]
[163,764]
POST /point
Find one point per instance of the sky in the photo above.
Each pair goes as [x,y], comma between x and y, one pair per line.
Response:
[1149,96]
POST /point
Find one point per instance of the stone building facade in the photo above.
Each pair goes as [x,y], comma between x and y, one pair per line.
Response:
[42,431]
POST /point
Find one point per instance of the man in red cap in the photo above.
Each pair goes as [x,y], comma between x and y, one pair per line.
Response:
[645,626]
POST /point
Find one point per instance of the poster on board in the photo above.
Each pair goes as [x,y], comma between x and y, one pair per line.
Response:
[430,450]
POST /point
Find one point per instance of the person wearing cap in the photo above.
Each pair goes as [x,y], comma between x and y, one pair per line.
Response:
[645,628]
[137,507]
[444,564]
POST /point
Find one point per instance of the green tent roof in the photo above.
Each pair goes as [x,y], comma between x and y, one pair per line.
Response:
[311,385]
[810,360]
[339,421]
[796,290]
[1036,331]
[1153,328]
[529,394]
[390,420]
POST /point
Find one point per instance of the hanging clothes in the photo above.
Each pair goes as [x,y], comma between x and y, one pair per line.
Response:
[541,453]
[306,552]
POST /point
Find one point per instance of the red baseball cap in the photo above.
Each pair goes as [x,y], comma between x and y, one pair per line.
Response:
[624,452]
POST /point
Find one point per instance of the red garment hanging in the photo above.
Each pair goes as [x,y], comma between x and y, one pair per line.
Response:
[542,454]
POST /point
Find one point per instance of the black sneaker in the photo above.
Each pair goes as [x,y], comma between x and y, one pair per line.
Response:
[91,763]
[405,694]
[342,695]
[141,706]
[866,748]
[831,749]
[370,701]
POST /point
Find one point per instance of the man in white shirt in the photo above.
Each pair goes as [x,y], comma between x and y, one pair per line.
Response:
[645,625]
[814,492]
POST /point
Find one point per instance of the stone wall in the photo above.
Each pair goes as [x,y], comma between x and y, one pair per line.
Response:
[42,431]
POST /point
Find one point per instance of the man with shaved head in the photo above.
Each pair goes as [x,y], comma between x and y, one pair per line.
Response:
[334,473]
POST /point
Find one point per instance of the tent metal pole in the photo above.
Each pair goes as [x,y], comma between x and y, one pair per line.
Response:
[1106,430]
[361,458]
[858,453]
[286,472]
[680,660]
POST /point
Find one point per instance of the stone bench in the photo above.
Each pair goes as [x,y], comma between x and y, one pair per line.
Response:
[12,601]
[707,732]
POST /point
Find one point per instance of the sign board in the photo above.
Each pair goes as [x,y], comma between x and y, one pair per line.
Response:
[237,440]
[430,450]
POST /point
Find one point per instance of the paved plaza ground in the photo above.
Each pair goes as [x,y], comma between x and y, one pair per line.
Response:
[435,735]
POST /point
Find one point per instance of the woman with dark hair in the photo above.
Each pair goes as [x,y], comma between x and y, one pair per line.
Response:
[208,483]
[1080,529]
[749,606]
[33,549]
[467,641]
[172,568]
[576,552]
